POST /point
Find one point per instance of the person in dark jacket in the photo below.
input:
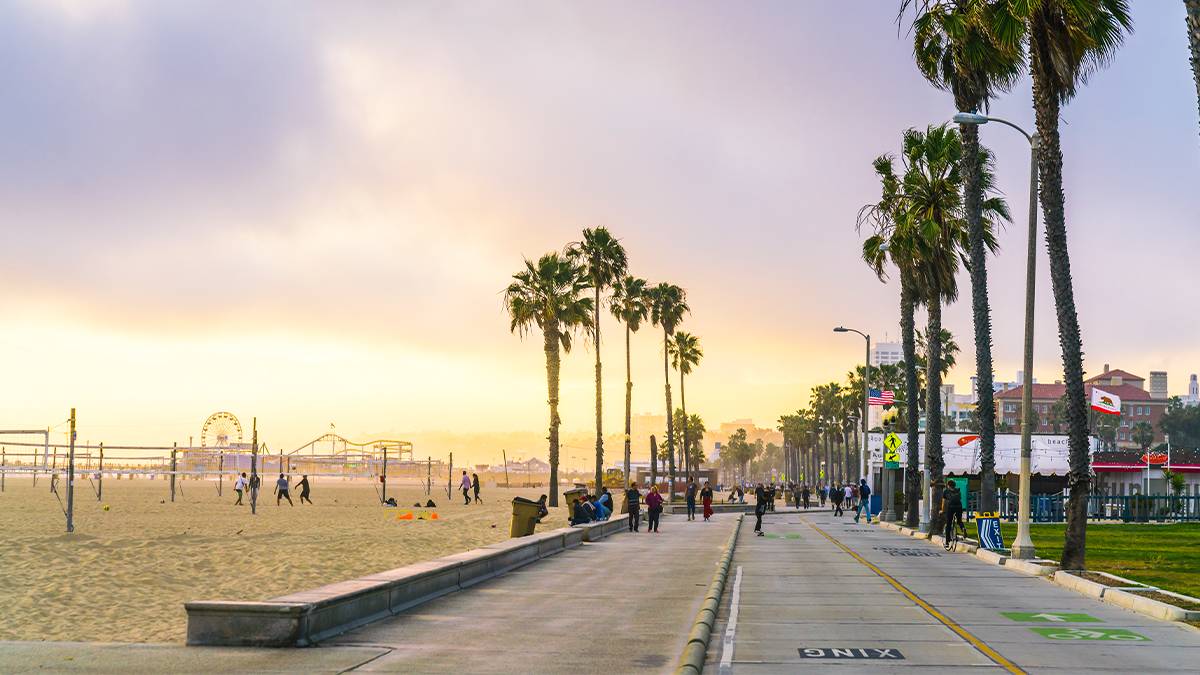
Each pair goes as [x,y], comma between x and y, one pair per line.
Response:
[837,496]
[633,504]
[304,487]
[760,507]
[864,501]
[475,487]
[805,493]
[690,498]
[706,497]
[579,513]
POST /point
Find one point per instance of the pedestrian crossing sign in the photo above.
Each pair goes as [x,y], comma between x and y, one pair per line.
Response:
[891,453]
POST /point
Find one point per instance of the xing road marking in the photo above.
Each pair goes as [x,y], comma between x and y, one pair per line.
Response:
[731,627]
[1052,617]
[945,620]
[849,653]
[1113,634]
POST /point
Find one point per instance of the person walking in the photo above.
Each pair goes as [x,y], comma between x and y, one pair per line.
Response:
[805,494]
[824,493]
[654,508]
[281,491]
[706,497]
[475,487]
[864,500]
[690,498]
[849,492]
[239,486]
[837,496]
[760,507]
[303,485]
[633,504]
[465,484]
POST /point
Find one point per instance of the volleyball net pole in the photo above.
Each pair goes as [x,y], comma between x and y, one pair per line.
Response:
[254,469]
[71,478]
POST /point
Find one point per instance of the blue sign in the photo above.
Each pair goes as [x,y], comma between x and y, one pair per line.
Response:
[988,525]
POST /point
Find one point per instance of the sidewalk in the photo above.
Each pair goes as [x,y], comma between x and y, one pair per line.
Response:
[623,604]
[801,597]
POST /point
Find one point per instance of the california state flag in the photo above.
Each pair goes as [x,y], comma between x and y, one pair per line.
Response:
[1105,402]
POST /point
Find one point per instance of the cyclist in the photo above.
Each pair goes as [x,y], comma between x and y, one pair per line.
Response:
[952,508]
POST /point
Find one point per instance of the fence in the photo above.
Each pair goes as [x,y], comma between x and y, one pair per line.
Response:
[1051,508]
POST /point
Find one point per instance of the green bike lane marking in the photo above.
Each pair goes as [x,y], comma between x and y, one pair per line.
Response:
[1104,634]
[1051,617]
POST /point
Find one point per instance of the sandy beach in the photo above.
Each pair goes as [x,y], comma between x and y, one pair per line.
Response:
[125,573]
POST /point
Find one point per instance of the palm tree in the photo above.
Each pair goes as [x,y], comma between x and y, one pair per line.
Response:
[1193,26]
[921,220]
[668,304]
[549,294]
[685,355]
[955,51]
[1068,40]
[603,260]
[631,305]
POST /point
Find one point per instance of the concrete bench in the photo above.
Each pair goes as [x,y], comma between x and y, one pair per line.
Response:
[304,618]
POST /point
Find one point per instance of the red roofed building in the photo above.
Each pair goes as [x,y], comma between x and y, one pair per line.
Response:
[1136,404]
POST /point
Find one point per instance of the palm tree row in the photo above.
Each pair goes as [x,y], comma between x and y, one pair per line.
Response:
[552,295]
[976,49]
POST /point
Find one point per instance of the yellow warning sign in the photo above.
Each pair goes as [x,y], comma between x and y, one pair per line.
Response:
[891,454]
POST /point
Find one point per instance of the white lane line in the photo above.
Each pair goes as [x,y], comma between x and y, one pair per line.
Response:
[731,627]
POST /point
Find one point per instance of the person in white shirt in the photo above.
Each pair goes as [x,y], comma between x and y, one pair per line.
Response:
[239,487]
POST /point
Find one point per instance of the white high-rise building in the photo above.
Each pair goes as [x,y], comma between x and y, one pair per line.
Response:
[1193,395]
[887,354]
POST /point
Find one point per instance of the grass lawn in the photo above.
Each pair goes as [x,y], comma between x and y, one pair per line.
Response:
[1166,556]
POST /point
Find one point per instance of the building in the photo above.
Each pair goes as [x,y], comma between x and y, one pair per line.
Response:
[997,387]
[1193,395]
[887,354]
[1137,405]
[1158,384]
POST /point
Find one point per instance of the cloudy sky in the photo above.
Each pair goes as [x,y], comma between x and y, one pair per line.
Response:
[306,212]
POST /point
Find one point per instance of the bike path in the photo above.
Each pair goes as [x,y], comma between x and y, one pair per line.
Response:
[802,595]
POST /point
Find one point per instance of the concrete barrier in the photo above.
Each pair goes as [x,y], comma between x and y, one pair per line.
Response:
[1030,567]
[305,618]
[1141,604]
[991,556]
[691,661]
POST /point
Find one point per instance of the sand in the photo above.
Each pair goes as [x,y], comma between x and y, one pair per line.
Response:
[125,573]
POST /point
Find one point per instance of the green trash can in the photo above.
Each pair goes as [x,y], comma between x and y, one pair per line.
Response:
[569,496]
[524,517]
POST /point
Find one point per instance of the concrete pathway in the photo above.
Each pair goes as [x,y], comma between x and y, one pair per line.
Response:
[623,604]
[803,601]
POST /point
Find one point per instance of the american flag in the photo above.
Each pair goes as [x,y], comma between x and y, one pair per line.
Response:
[885,397]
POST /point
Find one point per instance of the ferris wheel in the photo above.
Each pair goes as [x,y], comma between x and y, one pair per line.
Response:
[220,430]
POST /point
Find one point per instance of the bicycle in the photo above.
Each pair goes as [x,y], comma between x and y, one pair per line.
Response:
[950,535]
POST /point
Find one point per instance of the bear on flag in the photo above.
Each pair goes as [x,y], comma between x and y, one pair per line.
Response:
[1105,402]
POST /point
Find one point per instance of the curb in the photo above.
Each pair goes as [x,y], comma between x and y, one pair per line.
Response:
[691,661]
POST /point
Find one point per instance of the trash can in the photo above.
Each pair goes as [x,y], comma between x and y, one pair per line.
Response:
[569,496]
[524,517]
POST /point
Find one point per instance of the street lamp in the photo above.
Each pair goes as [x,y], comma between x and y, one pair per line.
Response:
[1022,547]
[862,461]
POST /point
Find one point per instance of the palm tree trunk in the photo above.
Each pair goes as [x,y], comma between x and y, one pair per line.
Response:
[599,408]
[912,469]
[1193,25]
[552,371]
[628,404]
[653,461]
[933,407]
[828,455]
[985,411]
[670,421]
[687,460]
[1046,112]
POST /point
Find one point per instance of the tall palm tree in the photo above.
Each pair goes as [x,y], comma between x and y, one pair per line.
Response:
[631,305]
[549,294]
[685,355]
[1068,41]
[668,304]
[603,260]
[896,240]
[1193,26]
[955,51]
[921,220]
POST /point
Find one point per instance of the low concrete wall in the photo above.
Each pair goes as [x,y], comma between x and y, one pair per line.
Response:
[304,618]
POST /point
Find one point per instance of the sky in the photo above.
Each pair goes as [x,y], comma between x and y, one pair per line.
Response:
[306,212]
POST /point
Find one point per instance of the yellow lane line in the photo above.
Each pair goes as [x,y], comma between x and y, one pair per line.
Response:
[945,620]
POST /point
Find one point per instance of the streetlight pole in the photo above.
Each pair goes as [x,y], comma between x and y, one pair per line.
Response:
[1022,548]
[862,460]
